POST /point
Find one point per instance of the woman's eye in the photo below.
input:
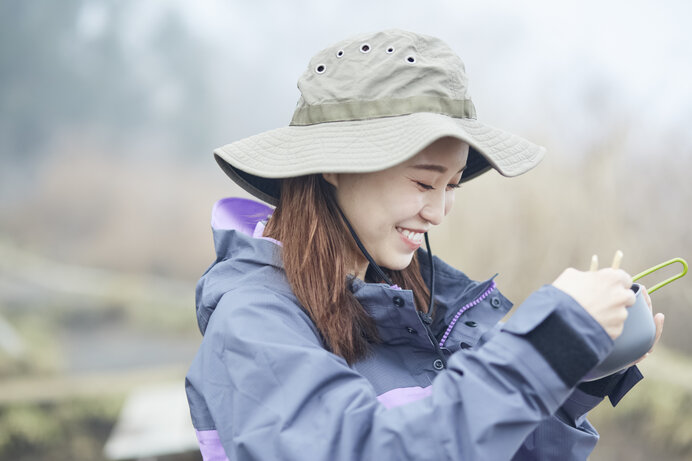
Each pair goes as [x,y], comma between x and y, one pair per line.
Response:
[453,186]
[424,186]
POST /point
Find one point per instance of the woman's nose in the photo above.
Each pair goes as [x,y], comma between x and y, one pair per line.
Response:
[434,210]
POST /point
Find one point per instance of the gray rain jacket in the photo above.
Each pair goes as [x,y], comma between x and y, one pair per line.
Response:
[263,386]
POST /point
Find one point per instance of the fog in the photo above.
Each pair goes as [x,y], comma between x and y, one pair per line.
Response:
[109,112]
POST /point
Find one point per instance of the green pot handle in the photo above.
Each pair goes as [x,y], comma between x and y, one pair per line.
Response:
[660,266]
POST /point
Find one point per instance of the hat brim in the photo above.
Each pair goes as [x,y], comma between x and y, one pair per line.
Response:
[361,146]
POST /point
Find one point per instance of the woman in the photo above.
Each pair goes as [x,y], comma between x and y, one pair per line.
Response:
[330,335]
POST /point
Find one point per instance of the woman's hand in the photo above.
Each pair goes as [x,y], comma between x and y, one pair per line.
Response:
[658,320]
[605,294]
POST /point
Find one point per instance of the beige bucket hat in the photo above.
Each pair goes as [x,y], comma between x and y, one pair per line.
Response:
[369,103]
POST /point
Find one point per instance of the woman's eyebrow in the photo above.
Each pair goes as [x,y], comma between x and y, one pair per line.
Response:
[434,167]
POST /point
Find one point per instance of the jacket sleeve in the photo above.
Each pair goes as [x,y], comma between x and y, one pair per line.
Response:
[263,381]
[567,434]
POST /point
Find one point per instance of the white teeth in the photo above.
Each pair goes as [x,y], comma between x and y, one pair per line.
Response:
[416,237]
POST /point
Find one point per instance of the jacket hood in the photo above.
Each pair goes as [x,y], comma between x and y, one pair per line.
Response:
[241,252]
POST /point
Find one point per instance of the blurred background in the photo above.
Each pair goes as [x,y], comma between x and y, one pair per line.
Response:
[109,112]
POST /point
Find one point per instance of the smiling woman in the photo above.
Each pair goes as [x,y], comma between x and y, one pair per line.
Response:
[391,209]
[329,331]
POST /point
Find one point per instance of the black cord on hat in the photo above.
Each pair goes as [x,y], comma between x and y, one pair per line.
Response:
[372,262]
[427,318]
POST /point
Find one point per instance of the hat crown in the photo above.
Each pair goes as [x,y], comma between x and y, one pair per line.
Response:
[387,73]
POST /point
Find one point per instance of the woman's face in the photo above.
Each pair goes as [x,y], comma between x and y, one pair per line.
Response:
[390,210]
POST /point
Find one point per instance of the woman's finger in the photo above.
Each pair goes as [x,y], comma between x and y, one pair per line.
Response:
[594,263]
[658,320]
[647,298]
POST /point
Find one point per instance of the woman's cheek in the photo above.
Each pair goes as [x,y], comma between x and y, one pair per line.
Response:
[449,202]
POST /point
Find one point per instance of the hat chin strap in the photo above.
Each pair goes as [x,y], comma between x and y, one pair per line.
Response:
[372,262]
[426,317]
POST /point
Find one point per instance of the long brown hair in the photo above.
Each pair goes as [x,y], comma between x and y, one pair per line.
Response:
[318,253]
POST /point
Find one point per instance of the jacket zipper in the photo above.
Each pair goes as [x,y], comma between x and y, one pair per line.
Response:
[463,309]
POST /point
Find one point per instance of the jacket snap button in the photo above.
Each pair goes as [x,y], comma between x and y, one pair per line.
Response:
[411,330]
[398,301]
[495,302]
[438,365]
[471,324]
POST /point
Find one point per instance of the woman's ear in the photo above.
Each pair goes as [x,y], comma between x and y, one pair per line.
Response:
[331,178]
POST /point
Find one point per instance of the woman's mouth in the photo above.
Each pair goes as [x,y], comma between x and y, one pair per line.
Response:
[411,237]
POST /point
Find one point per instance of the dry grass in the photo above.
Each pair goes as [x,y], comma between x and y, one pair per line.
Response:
[131,211]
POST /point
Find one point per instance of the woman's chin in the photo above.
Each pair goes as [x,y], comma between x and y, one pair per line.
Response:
[398,263]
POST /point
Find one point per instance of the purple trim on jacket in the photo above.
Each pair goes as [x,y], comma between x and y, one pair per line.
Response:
[239,214]
[403,395]
[210,446]
[243,215]
[258,233]
[464,309]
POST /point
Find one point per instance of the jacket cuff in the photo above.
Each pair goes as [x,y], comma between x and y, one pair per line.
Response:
[563,332]
[614,386]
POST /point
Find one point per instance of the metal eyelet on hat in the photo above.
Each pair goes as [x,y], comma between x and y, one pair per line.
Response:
[340,53]
[320,68]
[411,59]
[365,48]
[390,50]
